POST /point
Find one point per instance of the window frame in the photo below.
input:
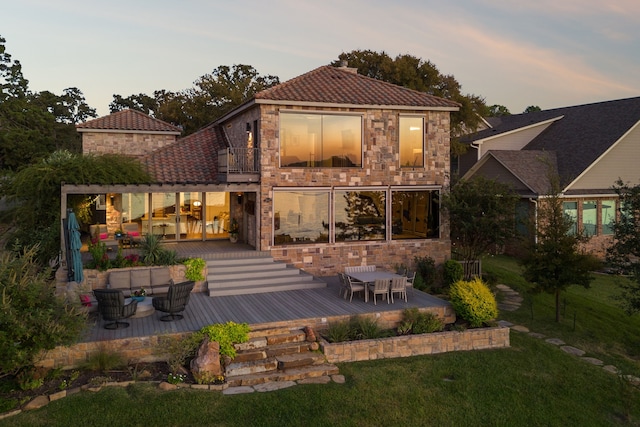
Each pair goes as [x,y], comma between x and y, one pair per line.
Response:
[422,136]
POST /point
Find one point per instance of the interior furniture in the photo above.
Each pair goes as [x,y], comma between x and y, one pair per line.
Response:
[101,231]
[112,307]
[175,302]
[398,286]
[380,287]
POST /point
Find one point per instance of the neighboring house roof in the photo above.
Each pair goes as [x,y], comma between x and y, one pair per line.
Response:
[128,120]
[190,160]
[579,136]
[341,85]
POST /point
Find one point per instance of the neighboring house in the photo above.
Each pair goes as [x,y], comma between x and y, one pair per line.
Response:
[588,147]
[325,170]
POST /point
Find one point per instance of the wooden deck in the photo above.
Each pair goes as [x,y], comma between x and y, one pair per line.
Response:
[203,310]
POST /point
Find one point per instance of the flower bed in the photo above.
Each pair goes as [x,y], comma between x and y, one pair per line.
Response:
[414,345]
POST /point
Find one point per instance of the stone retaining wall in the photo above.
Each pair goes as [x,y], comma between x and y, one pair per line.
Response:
[415,345]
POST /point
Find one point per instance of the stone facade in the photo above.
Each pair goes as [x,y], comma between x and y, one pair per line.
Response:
[135,144]
[380,168]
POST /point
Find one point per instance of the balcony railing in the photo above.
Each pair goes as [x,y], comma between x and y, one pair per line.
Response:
[239,164]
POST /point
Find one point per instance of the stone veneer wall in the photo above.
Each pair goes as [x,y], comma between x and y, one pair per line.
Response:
[145,349]
[126,143]
[380,168]
[415,345]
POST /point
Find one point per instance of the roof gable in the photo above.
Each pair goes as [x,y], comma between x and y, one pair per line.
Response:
[341,85]
[128,120]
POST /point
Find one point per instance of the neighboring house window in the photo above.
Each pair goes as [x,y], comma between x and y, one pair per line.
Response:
[589,218]
[320,140]
[411,137]
[360,215]
[300,217]
[570,210]
[608,215]
[415,214]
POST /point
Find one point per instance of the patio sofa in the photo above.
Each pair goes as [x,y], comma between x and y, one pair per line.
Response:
[155,280]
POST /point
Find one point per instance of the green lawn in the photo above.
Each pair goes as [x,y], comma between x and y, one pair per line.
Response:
[532,383]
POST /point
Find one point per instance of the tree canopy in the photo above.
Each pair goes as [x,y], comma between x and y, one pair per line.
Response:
[33,125]
[212,96]
[481,214]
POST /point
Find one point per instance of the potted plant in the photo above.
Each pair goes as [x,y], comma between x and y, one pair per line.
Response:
[118,233]
[139,295]
[234,230]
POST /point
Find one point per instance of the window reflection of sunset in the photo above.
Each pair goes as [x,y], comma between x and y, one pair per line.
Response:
[411,142]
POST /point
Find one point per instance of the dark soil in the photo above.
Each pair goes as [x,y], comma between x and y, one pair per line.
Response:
[12,396]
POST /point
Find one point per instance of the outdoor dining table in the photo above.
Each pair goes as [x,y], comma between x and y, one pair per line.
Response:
[368,277]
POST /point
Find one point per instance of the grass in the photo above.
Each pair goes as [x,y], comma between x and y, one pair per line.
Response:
[532,383]
[591,320]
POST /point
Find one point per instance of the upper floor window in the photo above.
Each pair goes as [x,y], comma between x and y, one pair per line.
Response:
[411,137]
[320,140]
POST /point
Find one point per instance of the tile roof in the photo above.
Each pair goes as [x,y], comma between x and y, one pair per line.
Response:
[579,138]
[192,159]
[338,85]
[131,120]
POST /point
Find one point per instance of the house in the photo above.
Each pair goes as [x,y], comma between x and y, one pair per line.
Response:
[588,147]
[328,169]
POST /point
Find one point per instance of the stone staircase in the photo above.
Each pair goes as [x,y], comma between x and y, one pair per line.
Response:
[277,355]
[254,274]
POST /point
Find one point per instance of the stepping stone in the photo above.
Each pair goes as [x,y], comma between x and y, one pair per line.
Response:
[633,380]
[315,380]
[338,379]
[503,287]
[611,369]
[504,323]
[520,328]
[592,360]
[555,341]
[274,385]
[536,335]
[572,350]
[238,390]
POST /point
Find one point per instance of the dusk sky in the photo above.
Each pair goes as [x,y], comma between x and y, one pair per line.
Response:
[549,53]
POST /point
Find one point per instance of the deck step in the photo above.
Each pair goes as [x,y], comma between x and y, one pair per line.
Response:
[254,275]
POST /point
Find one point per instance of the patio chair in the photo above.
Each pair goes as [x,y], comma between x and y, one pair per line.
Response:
[411,276]
[174,302]
[380,287]
[354,287]
[344,286]
[398,286]
[111,307]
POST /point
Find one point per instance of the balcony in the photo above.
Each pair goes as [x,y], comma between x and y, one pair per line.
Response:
[239,165]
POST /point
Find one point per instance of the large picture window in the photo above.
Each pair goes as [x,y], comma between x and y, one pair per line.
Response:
[300,217]
[411,136]
[360,215]
[320,140]
[415,214]
[589,217]
[570,210]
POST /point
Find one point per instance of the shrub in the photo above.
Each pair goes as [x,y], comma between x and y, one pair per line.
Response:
[365,328]
[473,301]
[226,335]
[339,332]
[426,269]
[103,360]
[420,322]
[32,317]
[194,269]
[453,271]
[178,350]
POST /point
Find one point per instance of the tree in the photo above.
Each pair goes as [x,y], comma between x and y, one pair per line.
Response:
[212,96]
[481,214]
[624,253]
[553,261]
[418,74]
[33,319]
[34,193]
[498,110]
[33,125]
[532,109]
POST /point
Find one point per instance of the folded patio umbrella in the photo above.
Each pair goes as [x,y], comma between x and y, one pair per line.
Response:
[74,247]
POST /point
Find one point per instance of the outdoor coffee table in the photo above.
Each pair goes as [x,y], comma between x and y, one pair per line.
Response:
[144,309]
[368,277]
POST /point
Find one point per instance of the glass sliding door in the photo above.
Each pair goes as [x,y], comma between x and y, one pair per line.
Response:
[216,215]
